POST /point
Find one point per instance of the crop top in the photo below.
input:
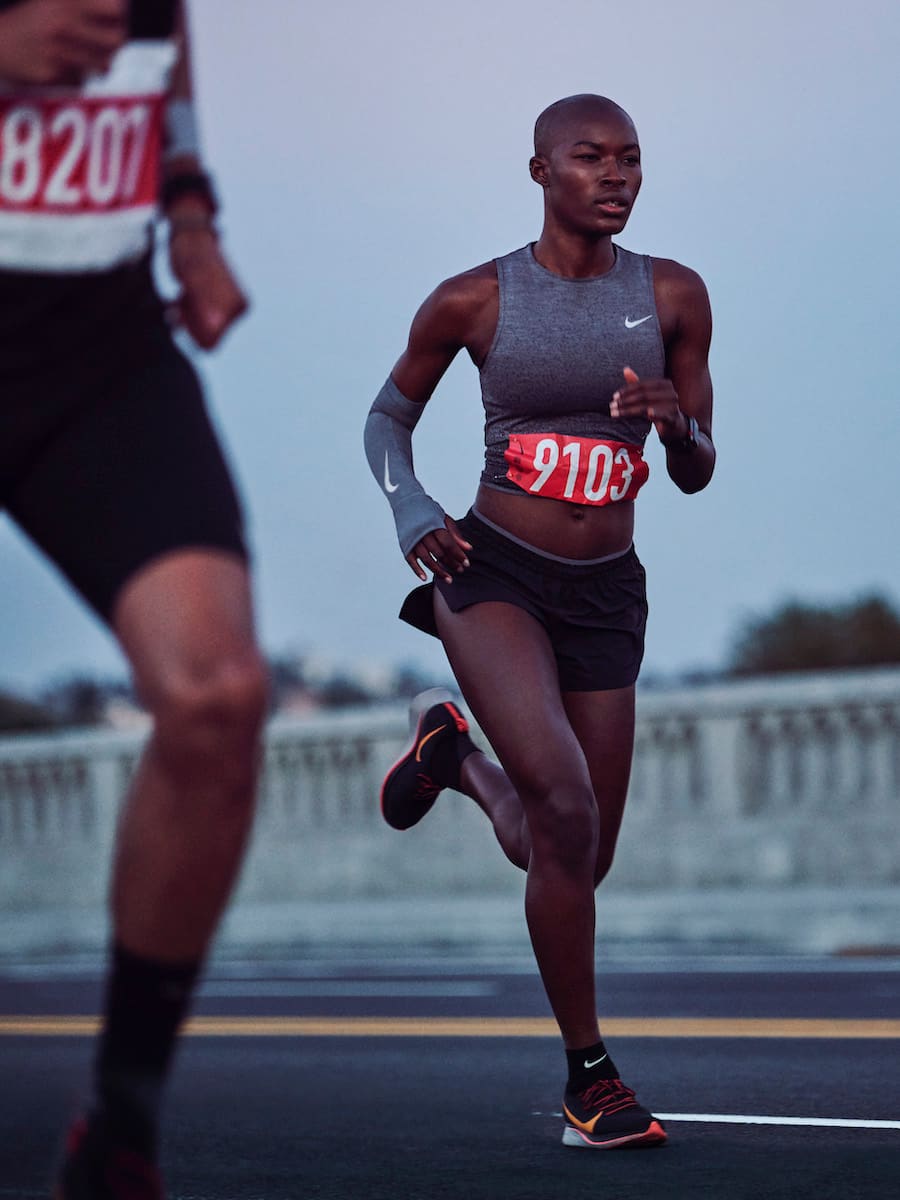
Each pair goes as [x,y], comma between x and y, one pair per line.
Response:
[556,359]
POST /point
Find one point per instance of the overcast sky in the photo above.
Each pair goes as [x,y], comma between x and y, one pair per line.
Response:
[365,152]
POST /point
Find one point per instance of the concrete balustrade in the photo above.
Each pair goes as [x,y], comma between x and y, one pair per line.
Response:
[774,782]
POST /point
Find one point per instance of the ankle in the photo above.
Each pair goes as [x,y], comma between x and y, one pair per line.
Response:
[588,1064]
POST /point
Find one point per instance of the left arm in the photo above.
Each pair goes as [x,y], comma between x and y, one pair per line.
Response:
[211,298]
[686,391]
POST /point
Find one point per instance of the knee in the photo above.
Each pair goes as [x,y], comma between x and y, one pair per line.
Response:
[208,720]
[564,827]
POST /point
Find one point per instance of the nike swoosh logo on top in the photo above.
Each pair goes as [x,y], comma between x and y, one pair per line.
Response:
[388,486]
[629,324]
[596,1062]
[425,739]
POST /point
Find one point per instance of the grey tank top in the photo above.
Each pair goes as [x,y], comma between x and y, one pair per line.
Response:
[559,350]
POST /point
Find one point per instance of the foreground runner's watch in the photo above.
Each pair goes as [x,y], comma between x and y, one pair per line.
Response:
[190,183]
[690,440]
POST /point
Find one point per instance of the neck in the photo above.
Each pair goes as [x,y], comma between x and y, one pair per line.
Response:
[572,255]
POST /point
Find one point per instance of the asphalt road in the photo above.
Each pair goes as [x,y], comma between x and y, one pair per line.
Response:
[439,1078]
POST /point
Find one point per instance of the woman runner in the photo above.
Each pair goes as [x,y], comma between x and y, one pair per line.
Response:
[537,593]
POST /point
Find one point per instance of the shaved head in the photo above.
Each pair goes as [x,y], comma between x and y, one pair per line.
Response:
[553,122]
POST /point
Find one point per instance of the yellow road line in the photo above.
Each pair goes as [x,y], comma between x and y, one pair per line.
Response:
[505,1027]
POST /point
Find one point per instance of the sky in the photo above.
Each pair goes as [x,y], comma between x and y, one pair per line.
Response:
[366,152]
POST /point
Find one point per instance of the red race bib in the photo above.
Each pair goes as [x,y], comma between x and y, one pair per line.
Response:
[79,167]
[580,470]
[80,154]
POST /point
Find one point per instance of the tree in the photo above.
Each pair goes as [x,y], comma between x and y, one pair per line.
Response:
[21,716]
[807,637]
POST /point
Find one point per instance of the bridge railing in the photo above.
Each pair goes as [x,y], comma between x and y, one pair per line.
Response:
[788,780]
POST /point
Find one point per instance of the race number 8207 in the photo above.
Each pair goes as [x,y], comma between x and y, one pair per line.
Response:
[79,156]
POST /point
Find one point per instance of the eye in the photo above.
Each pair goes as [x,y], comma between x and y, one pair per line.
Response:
[631,160]
[588,157]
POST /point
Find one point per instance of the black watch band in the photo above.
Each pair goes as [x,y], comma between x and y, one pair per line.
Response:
[190,183]
[691,439]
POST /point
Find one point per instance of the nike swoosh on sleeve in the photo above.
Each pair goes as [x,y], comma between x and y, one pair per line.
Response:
[629,324]
[388,486]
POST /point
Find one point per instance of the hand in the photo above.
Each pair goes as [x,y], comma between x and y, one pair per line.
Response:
[60,41]
[655,399]
[442,551]
[211,299]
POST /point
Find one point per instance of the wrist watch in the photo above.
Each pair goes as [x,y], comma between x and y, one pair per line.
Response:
[689,441]
[190,183]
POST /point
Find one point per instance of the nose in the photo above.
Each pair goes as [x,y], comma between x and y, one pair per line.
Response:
[611,173]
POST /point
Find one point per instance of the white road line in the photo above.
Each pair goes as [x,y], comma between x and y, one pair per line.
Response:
[817,1122]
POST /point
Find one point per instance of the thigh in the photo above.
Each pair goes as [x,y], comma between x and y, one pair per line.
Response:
[187,617]
[133,473]
[505,666]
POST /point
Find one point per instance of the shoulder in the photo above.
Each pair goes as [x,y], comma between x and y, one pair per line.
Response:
[677,280]
[682,300]
[467,290]
[458,302]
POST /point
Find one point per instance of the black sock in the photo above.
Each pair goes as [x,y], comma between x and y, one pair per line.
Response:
[448,758]
[588,1065]
[145,1004]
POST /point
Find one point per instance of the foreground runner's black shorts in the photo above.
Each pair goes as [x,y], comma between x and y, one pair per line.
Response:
[594,613]
[107,455]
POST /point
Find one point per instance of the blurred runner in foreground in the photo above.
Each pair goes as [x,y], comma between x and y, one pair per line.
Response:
[108,462]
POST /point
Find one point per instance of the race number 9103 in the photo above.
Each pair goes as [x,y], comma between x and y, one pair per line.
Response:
[580,470]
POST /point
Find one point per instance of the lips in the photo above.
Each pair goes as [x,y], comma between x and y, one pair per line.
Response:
[613,205]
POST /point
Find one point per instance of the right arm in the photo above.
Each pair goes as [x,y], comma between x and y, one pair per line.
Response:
[48,42]
[449,320]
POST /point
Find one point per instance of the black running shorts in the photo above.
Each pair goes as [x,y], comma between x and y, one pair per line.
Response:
[107,455]
[594,613]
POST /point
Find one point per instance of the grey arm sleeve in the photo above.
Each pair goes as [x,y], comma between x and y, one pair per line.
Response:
[388,439]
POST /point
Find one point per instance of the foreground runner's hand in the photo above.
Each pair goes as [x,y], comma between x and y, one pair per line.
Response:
[442,552]
[211,299]
[655,399]
[60,41]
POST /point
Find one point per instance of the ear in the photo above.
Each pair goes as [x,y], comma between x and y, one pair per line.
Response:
[538,168]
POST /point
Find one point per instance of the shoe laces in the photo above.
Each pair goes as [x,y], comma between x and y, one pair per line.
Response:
[608,1096]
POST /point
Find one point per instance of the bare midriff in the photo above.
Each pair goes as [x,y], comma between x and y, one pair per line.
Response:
[559,527]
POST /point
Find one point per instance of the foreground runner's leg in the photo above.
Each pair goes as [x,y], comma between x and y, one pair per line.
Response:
[185,623]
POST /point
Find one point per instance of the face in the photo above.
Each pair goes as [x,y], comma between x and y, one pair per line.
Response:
[591,171]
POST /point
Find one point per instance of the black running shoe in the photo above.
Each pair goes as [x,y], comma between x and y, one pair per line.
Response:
[430,764]
[94,1169]
[606,1116]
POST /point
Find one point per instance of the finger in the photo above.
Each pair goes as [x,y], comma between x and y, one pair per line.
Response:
[453,551]
[205,331]
[78,54]
[453,530]
[104,10]
[435,561]
[630,375]
[411,559]
[438,569]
